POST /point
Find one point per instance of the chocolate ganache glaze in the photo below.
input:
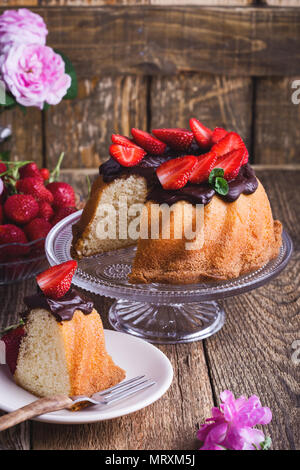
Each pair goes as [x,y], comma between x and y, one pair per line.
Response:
[62,309]
[203,193]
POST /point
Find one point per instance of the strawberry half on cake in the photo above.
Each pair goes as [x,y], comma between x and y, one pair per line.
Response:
[183,169]
[59,346]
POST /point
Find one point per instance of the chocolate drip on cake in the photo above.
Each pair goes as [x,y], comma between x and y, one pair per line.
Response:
[244,183]
[62,309]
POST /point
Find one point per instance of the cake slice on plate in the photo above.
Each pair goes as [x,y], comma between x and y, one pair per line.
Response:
[59,347]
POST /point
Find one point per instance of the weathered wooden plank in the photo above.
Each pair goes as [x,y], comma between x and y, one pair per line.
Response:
[215,100]
[276,136]
[82,128]
[26,140]
[141,2]
[19,3]
[11,299]
[252,354]
[282,3]
[159,39]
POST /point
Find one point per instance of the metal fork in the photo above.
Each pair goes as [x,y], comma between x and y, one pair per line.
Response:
[59,402]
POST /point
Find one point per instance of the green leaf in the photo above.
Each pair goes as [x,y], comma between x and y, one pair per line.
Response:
[5,155]
[69,69]
[214,173]
[221,186]
[46,106]
[266,444]
[9,100]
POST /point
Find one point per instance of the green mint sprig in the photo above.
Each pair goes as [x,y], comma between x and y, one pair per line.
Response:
[218,182]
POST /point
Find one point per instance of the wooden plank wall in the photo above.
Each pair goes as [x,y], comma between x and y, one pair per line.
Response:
[166,71]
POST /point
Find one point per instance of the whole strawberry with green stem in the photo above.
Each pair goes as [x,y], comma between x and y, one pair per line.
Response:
[63,193]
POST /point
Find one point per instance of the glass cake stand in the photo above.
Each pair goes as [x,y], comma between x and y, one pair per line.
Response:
[159,313]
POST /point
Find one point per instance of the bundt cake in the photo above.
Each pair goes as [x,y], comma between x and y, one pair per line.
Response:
[60,348]
[182,170]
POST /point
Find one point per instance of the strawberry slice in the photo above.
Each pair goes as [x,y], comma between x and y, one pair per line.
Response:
[230,142]
[124,141]
[148,142]
[201,133]
[177,139]
[218,134]
[12,340]
[174,174]
[205,163]
[126,156]
[231,163]
[56,281]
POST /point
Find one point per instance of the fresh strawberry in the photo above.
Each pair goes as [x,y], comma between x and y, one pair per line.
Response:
[124,141]
[126,156]
[12,340]
[148,142]
[44,173]
[178,139]
[37,228]
[29,170]
[205,163]
[61,213]
[201,133]
[1,215]
[35,187]
[21,208]
[63,194]
[231,163]
[12,234]
[174,174]
[230,142]
[45,211]
[218,134]
[56,281]
[3,167]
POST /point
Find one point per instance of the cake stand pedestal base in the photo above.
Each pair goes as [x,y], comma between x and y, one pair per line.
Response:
[167,324]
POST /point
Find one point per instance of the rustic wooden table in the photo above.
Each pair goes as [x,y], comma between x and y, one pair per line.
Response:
[251,354]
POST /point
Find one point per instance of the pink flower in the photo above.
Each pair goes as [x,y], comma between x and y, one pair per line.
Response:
[231,426]
[35,74]
[21,27]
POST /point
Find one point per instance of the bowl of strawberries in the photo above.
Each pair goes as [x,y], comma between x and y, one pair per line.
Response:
[32,201]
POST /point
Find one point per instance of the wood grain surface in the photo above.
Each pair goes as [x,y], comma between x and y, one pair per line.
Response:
[276,117]
[215,100]
[82,128]
[251,354]
[162,40]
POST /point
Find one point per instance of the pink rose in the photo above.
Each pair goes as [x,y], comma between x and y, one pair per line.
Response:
[35,74]
[232,425]
[21,27]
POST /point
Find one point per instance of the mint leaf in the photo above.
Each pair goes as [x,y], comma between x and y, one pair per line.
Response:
[69,69]
[214,173]
[221,186]
[266,444]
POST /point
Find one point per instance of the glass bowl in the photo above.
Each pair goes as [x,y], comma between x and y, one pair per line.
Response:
[27,260]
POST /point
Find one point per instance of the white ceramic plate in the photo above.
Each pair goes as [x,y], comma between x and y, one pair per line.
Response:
[134,355]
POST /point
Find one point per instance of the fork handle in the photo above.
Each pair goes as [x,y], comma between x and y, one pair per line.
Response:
[36,408]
